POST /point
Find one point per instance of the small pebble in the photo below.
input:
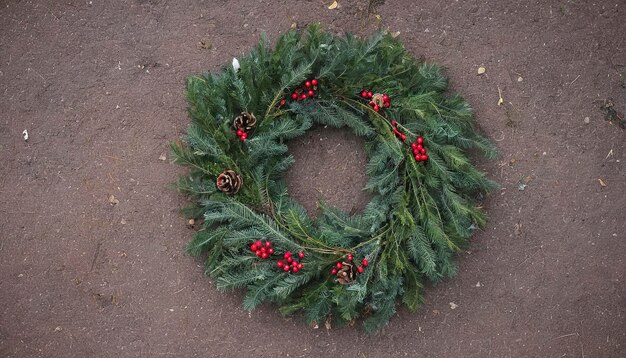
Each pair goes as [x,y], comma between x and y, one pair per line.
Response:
[586,120]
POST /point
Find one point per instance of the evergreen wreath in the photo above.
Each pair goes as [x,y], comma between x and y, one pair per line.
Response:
[337,267]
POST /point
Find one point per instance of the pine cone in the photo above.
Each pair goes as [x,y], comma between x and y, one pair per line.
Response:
[229,182]
[346,274]
[245,121]
[378,100]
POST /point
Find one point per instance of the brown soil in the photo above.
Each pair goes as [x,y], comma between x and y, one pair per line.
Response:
[99,87]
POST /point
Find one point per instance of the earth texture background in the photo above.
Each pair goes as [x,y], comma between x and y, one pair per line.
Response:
[91,240]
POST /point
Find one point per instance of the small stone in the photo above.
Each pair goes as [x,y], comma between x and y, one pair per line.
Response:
[587,120]
[58,329]
[113,200]
[162,157]
[453,305]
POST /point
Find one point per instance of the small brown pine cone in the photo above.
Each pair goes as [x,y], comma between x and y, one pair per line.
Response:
[378,100]
[229,182]
[346,274]
[245,121]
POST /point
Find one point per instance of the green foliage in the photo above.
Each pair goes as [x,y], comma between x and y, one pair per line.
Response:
[420,214]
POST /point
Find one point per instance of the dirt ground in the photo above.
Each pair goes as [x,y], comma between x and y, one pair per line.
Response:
[98,85]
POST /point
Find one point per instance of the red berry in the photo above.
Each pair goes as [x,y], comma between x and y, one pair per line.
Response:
[268,244]
[263,249]
[338,265]
[413,145]
[264,255]
[294,269]
[349,257]
[424,157]
[300,265]
[370,94]
[286,268]
[420,140]
[307,83]
[416,152]
[364,263]
[258,243]
[253,247]
[279,264]
[239,132]
[360,269]
[303,96]
[419,147]
[418,157]
[333,271]
[270,251]
[289,259]
[301,254]
[372,104]
[364,94]
[244,135]
[314,82]
[282,102]
[423,151]
[394,123]
[387,104]
[258,252]
[294,96]
[311,93]
[287,254]
[376,108]
[385,98]
[403,136]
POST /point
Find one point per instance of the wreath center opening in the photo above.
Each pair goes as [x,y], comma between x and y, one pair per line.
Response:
[330,167]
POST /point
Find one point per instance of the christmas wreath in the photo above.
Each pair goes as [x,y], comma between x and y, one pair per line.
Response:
[337,267]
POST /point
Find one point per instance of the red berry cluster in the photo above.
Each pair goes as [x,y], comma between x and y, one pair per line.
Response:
[377,101]
[350,258]
[418,150]
[304,92]
[262,249]
[288,263]
[243,135]
[398,134]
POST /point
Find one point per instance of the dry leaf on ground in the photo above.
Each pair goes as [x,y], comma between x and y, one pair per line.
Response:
[205,44]
[500,99]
